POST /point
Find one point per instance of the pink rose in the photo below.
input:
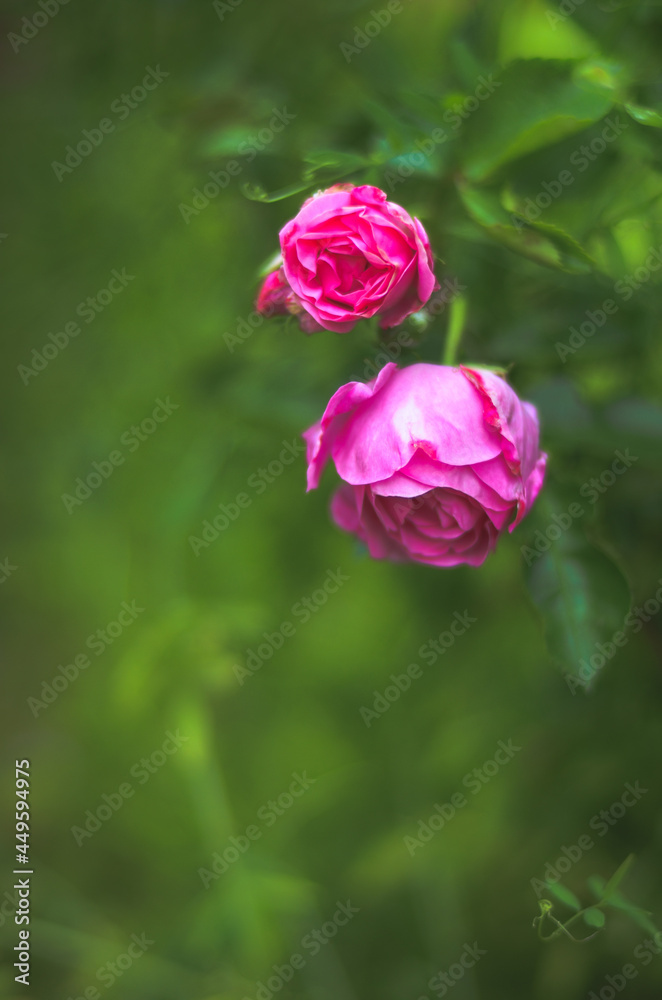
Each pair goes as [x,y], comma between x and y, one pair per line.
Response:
[436,462]
[350,254]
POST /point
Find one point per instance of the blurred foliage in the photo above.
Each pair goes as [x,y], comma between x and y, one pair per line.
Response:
[528,142]
[607,895]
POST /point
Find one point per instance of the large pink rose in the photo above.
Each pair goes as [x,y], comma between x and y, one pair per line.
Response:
[350,254]
[437,461]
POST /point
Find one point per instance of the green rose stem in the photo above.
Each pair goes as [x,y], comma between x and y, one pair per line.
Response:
[458,313]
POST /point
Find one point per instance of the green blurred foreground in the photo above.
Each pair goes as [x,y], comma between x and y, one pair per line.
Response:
[258,765]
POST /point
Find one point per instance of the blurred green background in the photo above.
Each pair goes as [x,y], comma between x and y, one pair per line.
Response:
[366,96]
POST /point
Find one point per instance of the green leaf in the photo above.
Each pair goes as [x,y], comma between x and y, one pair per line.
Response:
[466,66]
[274,261]
[255,192]
[225,141]
[425,107]
[618,876]
[581,594]
[564,895]
[399,134]
[640,917]
[572,254]
[537,104]
[331,165]
[594,917]
[602,75]
[610,894]
[544,243]
[596,884]
[335,159]
[529,29]
[645,116]
[413,163]
[624,191]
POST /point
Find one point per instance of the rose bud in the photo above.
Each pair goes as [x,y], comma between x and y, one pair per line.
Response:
[436,462]
[271,297]
[276,298]
[351,254]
